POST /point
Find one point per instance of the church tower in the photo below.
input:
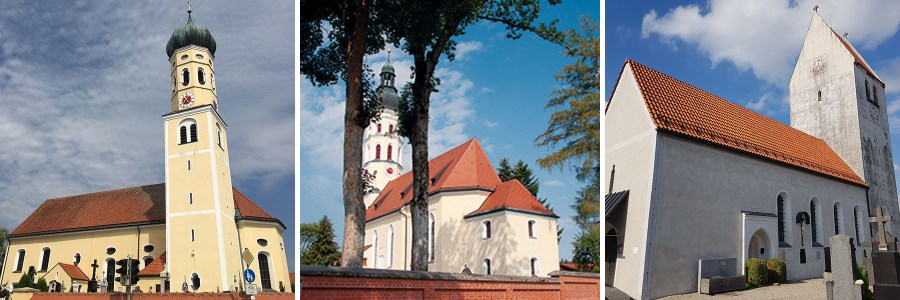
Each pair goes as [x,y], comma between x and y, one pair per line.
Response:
[836,96]
[383,147]
[202,241]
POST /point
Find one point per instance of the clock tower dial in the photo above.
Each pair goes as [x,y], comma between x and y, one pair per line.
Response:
[187,99]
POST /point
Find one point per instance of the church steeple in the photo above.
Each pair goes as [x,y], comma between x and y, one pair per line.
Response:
[200,225]
[383,146]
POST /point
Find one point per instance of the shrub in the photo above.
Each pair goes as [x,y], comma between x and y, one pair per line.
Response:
[42,285]
[862,273]
[25,281]
[777,270]
[757,273]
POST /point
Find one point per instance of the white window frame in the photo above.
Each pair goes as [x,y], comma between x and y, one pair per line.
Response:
[533,262]
[375,248]
[20,255]
[41,260]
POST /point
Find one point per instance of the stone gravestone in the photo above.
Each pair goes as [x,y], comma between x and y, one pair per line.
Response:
[885,272]
[840,283]
[719,275]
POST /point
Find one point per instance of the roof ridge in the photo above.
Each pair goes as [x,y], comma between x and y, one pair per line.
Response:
[102,192]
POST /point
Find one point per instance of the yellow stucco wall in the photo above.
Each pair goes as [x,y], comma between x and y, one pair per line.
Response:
[90,244]
[187,58]
[250,232]
[459,241]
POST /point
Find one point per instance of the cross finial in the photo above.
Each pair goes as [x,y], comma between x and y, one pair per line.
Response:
[846,35]
[389,55]
[816,8]
[189,10]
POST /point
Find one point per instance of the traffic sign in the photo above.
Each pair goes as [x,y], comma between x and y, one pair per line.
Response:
[251,289]
[248,257]
[249,275]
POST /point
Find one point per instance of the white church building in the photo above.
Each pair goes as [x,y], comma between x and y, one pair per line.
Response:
[475,221]
[693,176]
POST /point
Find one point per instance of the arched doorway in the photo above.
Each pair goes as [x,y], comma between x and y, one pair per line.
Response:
[759,245]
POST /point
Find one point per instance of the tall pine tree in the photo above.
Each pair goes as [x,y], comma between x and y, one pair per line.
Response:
[320,248]
[522,172]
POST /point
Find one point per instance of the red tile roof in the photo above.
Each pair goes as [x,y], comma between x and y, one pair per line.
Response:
[511,195]
[154,268]
[123,207]
[463,167]
[682,109]
[74,272]
[859,60]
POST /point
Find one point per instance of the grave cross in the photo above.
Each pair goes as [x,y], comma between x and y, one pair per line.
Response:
[94,266]
[880,219]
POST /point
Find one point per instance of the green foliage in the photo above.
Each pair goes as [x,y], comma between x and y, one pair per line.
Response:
[317,243]
[3,233]
[41,285]
[25,281]
[862,273]
[4,294]
[777,270]
[587,251]
[757,274]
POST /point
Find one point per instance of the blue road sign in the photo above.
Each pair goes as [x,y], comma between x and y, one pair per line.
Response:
[249,275]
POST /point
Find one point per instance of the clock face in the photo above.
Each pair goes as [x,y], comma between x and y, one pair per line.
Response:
[187,99]
[390,170]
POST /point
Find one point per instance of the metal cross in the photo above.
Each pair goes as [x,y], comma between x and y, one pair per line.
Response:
[880,219]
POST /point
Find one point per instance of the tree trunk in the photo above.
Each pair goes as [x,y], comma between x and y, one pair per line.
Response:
[419,206]
[356,20]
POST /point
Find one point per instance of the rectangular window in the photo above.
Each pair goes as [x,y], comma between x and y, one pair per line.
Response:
[190,198]
[192,235]
[189,165]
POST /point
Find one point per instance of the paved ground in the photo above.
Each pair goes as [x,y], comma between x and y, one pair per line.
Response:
[802,289]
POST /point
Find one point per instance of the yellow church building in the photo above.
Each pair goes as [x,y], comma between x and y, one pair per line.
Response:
[189,233]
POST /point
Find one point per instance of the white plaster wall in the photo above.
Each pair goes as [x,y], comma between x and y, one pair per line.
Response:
[701,192]
[631,141]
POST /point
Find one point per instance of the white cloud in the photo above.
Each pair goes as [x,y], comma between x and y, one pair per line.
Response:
[553,182]
[759,104]
[890,73]
[464,48]
[491,124]
[765,36]
[81,106]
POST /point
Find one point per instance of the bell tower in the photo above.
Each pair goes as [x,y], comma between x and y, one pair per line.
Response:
[836,96]
[383,147]
[202,243]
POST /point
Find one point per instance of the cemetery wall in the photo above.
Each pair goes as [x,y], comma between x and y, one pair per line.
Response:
[318,282]
[160,296]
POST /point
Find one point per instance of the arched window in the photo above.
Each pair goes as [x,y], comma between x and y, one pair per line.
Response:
[820,96]
[379,127]
[486,229]
[110,275]
[185,76]
[187,131]
[837,218]
[375,248]
[148,260]
[201,76]
[486,266]
[391,128]
[814,218]
[856,225]
[390,246]
[21,260]
[867,91]
[377,151]
[531,232]
[431,237]
[219,134]
[390,150]
[193,132]
[265,278]
[77,259]
[782,226]
[195,281]
[45,259]
[534,266]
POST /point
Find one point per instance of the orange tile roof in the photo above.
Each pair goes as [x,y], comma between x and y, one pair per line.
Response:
[123,207]
[154,268]
[463,167]
[511,195]
[857,57]
[682,109]
[74,272]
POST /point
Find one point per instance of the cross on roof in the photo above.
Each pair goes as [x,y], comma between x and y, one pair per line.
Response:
[880,219]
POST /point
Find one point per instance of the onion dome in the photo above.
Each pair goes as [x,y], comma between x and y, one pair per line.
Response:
[386,91]
[191,34]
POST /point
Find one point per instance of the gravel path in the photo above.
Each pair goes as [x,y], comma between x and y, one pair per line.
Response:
[802,289]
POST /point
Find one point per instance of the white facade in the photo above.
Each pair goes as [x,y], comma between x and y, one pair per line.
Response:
[382,145]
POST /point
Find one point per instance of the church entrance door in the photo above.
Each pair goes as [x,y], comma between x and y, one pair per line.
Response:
[612,253]
[759,246]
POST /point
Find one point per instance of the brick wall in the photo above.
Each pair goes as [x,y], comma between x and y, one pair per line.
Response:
[159,296]
[343,283]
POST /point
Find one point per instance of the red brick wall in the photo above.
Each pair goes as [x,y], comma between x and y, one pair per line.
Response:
[347,287]
[160,296]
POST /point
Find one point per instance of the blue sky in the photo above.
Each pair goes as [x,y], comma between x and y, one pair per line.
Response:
[83,85]
[495,91]
[745,51]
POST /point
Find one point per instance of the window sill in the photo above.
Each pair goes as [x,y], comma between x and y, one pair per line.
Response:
[784,245]
[533,237]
